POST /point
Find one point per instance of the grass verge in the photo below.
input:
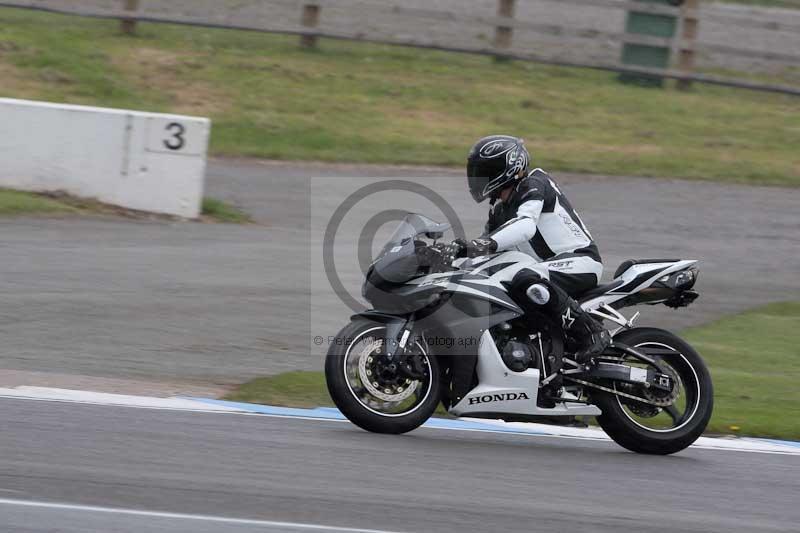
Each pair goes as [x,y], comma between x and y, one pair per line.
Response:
[290,389]
[356,102]
[754,359]
[755,364]
[16,203]
[220,211]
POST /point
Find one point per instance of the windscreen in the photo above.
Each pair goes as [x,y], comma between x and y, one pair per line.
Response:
[412,225]
[397,262]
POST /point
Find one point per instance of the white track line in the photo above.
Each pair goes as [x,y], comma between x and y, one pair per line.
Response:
[182,516]
[102,398]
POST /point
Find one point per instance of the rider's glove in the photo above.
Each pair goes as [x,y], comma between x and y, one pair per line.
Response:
[458,248]
[451,252]
[476,247]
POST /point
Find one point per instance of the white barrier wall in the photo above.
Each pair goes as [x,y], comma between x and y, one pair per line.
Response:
[147,161]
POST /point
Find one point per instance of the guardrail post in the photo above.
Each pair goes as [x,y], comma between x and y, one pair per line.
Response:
[503,34]
[310,20]
[128,26]
[689,24]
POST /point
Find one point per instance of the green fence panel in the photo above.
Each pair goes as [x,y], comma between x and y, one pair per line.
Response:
[640,55]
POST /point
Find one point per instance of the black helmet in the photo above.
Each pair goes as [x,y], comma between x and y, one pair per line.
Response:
[493,162]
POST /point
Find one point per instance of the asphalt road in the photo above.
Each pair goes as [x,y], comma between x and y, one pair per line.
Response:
[333,474]
[175,307]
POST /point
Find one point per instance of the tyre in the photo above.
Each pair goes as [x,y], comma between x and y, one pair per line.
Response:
[679,417]
[366,389]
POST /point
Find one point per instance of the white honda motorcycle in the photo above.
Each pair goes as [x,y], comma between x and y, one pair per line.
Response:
[450,333]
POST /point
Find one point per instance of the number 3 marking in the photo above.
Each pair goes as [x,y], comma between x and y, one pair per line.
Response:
[176,142]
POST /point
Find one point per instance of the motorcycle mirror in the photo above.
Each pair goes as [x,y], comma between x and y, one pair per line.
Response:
[435,235]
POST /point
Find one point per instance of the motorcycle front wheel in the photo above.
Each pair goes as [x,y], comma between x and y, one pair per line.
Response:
[367,387]
[671,421]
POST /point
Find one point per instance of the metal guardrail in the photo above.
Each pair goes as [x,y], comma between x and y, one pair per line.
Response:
[310,13]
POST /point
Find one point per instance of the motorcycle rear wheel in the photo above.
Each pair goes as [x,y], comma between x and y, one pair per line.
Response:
[632,426]
[370,402]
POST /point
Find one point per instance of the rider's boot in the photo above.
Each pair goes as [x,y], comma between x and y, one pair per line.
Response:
[589,336]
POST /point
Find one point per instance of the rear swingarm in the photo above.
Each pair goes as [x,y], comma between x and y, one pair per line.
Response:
[636,354]
[645,377]
[614,369]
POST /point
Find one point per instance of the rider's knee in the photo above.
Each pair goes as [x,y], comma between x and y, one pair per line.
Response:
[530,287]
[539,294]
[524,279]
[535,291]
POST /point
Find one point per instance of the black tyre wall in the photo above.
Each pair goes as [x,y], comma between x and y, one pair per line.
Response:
[352,408]
[635,438]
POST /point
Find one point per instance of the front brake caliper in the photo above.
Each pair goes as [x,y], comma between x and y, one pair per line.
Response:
[413,366]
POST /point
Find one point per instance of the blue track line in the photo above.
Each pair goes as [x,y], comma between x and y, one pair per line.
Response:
[329,413]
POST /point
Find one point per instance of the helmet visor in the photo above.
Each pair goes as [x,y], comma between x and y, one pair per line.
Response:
[477,182]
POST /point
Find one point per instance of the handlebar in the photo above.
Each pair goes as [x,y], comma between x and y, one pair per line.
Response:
[439,257]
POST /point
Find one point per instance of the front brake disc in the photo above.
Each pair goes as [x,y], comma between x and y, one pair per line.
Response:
[394,393]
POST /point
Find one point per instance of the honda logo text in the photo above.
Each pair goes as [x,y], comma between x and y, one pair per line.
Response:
[508,396]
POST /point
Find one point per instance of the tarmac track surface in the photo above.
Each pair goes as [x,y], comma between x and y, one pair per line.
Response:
[165,308]
[235,473]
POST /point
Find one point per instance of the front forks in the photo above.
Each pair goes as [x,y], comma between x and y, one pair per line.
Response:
[397,334]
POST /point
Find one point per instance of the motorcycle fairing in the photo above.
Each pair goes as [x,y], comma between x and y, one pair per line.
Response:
[502,391]
[469,284]
[452,331]
[474,299]
[503,266]
[635,279]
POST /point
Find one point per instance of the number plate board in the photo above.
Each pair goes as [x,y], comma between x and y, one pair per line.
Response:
[179,136]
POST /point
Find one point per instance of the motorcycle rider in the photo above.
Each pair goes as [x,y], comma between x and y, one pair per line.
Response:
[533,215]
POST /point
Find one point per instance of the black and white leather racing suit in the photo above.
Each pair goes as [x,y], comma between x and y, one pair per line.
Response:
[537,219]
